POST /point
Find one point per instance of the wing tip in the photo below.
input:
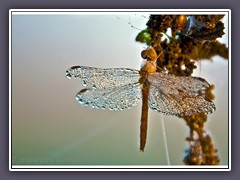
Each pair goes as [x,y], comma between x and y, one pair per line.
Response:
[72,72]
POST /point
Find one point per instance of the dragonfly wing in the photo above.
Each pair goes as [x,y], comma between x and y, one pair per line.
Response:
[116,98]
[163,103]
[173,95]
[192,105]
[98,78]
[172,84]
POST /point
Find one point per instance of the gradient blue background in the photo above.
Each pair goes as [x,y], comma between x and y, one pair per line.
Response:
[50,127]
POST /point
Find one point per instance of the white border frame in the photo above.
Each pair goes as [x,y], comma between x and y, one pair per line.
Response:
[116,11]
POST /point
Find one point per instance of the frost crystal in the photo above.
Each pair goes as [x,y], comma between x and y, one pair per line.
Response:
[119,89]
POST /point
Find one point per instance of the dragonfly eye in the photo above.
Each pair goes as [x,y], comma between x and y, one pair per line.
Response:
[144,54]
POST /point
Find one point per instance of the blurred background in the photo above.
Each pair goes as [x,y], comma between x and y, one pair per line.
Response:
[49,127]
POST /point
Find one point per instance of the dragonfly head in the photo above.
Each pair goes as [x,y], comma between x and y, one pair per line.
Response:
[149,54]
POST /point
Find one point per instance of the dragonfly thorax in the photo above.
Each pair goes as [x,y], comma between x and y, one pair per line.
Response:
[149,67]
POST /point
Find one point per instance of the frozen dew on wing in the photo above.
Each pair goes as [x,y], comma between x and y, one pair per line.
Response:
[118,98]
[171,84]
[119,89]
[113,88]
[177,95]
[99,78]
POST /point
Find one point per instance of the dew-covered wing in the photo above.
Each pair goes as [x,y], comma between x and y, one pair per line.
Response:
[163,103]
[172,84]
[173,95]
[98,78]
[115,98]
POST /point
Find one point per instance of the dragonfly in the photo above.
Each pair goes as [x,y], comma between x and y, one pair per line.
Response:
[122,88]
